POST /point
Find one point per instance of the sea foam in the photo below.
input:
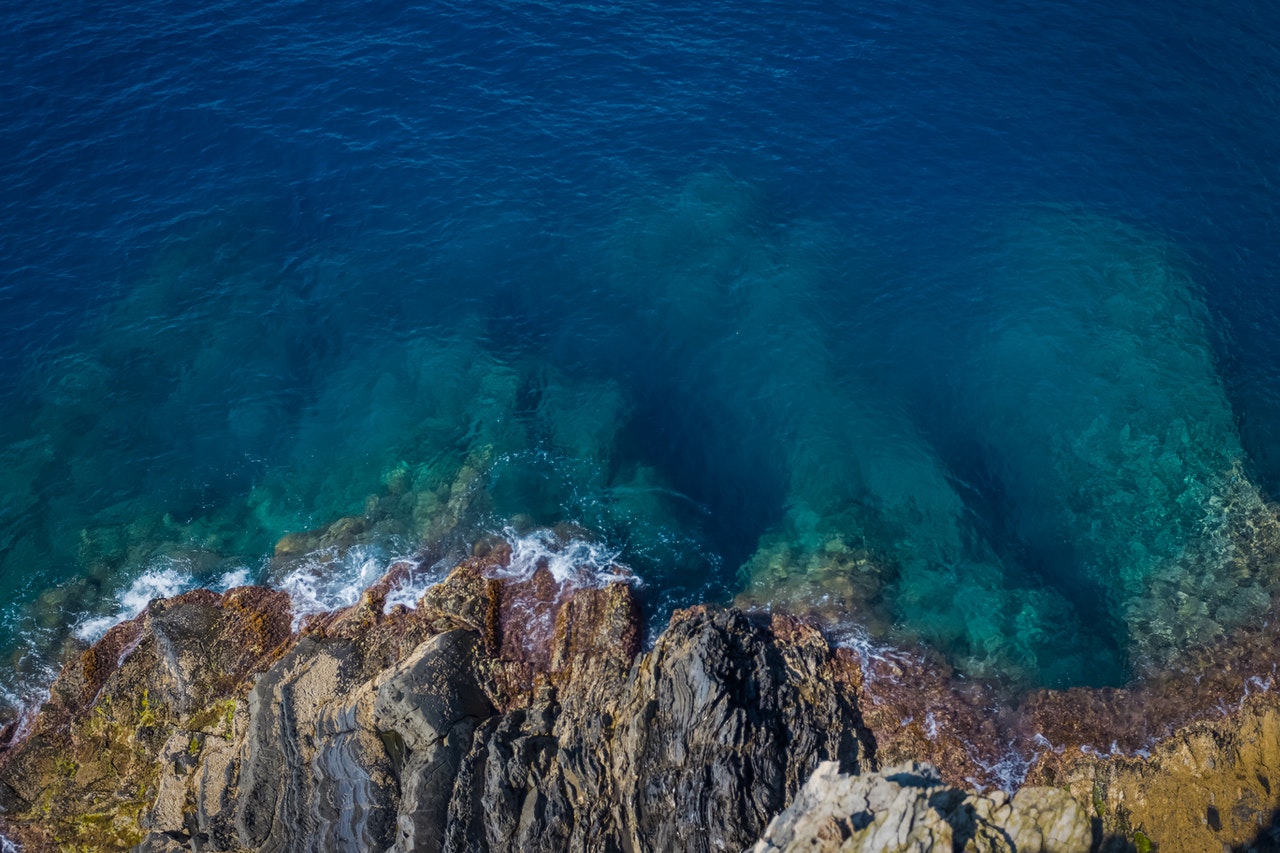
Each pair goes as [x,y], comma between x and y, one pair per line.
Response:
[162,578]
[330,579]
[573,562]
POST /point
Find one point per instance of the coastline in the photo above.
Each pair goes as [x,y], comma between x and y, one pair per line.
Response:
[501,707]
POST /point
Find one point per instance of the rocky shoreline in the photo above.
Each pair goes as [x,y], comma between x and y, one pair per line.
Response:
[509,713]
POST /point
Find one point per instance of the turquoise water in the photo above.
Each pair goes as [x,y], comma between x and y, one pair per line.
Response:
[955,327]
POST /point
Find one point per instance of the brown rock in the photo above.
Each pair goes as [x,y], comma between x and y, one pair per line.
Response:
[508,714]
[909,807]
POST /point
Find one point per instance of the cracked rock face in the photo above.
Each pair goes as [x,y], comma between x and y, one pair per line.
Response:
[207,724]
[910,808]
[438,729]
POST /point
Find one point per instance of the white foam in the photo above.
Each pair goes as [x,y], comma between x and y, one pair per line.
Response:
[577,562]
[329,580]
[27,694]
[164,577]
[869,651]
[573,563]
[417,580]
[1010,770]
[163,581]
[232,579]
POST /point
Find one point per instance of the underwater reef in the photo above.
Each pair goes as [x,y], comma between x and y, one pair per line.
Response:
[521,711]
[709,576]
[1052,490]
[1049,486]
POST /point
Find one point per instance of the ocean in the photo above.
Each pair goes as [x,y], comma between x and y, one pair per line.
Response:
[953,322]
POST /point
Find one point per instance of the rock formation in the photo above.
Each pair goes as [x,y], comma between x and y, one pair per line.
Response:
[204,724]
[522,714]
[909,807]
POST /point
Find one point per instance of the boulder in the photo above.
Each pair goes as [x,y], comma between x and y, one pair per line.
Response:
[909,808]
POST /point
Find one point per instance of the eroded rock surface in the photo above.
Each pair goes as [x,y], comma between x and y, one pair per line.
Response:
[909,808]
[440,728]
[521,714]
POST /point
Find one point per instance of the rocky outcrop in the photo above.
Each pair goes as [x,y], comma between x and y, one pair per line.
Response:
[1213,784]
[447,727]
[521,714]
[909,807]
[1188,761]
[141,701]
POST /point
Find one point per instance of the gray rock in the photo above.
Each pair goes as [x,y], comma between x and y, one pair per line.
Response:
[428,708]
[422,731]
[715,723]
[312,773]
[910,808]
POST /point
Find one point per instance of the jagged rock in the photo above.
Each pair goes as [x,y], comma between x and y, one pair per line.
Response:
[500,715]
[429,707]
[719,722]
[520,714]
[910,808]
[1212,785]
[89,772]
[312,772]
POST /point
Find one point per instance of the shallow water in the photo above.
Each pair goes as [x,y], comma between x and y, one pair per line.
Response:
[956,324]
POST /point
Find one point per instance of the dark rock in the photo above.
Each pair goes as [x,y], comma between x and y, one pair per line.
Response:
[506,714]
[430,706]
[717,723]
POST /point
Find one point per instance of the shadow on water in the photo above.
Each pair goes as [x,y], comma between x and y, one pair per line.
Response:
[726,395]
[1067,478]
[734,483]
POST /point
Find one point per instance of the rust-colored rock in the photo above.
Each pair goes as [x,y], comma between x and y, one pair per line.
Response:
[224,730]
[88,772]
[512,713]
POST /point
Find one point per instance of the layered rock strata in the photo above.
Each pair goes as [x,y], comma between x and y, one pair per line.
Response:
[506,714]
[441,728]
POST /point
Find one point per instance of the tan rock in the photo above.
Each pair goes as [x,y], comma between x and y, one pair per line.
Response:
[520,714]
[909,808]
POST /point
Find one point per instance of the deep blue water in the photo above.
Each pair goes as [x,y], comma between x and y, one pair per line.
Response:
[952,320]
